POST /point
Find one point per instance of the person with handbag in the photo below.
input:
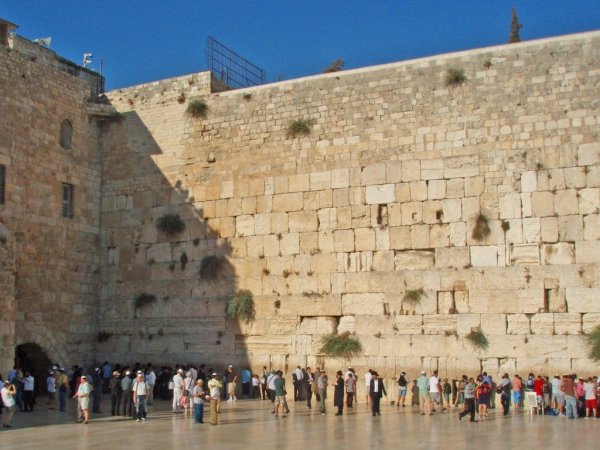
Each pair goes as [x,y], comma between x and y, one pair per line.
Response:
[7,394]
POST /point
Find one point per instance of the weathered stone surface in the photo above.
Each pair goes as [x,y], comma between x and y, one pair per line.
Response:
[413,259]
[583,300]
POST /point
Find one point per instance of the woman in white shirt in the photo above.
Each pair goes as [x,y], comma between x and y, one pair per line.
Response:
[8,393]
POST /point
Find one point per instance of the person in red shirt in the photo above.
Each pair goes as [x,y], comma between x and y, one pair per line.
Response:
[538,387]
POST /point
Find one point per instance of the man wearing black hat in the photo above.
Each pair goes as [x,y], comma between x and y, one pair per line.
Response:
[377,390]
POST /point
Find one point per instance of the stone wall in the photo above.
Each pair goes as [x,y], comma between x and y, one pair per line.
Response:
[330,230]
[7,300]
[55,259]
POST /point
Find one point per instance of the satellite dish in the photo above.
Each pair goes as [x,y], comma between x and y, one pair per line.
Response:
[44,42]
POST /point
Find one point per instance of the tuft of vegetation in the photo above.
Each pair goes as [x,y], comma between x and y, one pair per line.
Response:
[413,298]
[335,66]
[247,96]
[241,306]
[592,342]
[478,339]
[143,300]
[183,259]
[345,345]
[170,224]
[181,98]
[266,271]
[482,228]
[455,77]
[505,225]
[277,304]
[210,267]
[300,127]
[487,63]
[197,108]
[196,242]
[515,28]
[103,336]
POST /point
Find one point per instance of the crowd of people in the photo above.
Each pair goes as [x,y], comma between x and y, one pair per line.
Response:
[132,388]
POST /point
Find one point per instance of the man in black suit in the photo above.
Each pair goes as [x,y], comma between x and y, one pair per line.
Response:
[376,391]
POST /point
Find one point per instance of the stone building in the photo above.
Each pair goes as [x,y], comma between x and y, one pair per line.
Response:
[412,205]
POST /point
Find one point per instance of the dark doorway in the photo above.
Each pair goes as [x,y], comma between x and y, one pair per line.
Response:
[30,357]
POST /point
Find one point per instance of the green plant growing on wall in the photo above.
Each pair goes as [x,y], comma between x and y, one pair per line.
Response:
[481,230]
[170,224]
[144,299]
[210,267]
[197,108]
[515,28]
[455,77]
[345,345]
[478,339]
[592,342]
[335,66]
[300,127]
[241,306]
[413,298]
[183,259]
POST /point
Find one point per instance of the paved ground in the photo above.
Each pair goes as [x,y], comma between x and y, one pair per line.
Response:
[249,425]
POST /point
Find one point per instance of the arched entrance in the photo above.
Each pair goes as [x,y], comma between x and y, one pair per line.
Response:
[33,358]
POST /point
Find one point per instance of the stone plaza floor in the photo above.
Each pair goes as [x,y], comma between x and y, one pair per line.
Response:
[249,424]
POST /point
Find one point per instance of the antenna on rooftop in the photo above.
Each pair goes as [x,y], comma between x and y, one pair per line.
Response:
[87,59]
[44,42]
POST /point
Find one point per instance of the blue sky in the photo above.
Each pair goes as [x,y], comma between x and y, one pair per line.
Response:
[148,40]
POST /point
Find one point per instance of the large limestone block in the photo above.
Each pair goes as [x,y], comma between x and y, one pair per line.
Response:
[531,230]
[458,234]
[340,178]
[364,239]
[566,202]
[400,238]
[412,213]
[343,240]
[588,154]
[373,174]
[300,305]
[320,180]
[439,235]
[302,344]
[456,257]
[290,244]
[159,253]
[583,300]
[383,261]
[298,183]
[302,221]
[590,321]
[549,229]
[408,324]
[419,236]
[589,201]
[568,323]
[244,225]
[414,259]
[418,191]
[529,181]
[317,325]
[288,202]
[494,324]
[466,322]
[359,304]
[542,323]
[380,194]
[484,255]
[373,324]
[436,189]
[279,222]
[518,324]
[427,345]
[542,203]
[461,166]
[591,228]
[510,206]
[439,324]
[561,253]
[451,210]
[525,254]
[411,170]
[346,325]
[587,252]
[570,228]
[531,300]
